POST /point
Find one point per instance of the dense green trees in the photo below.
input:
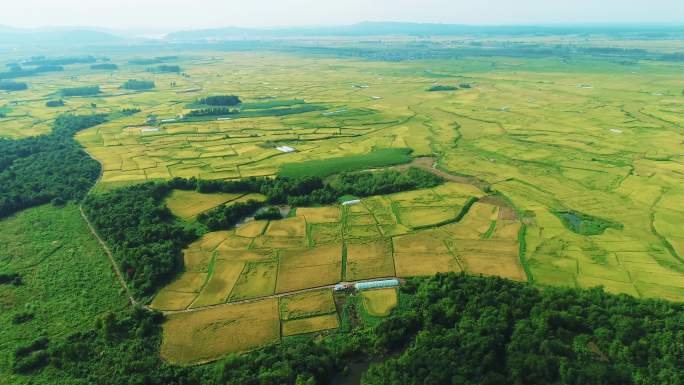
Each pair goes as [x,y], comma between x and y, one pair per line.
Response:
[36,170]
[226,216]
[13,86]
[306,191]
[54,103]
[145,238]
[220,100]
[438,88]
[165,68]
[215,111]
[81,91]
[104,66]
[470,330]
[138,85]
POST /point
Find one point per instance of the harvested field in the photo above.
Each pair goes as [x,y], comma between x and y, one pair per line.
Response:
[379,302]
[319,214]
[417,264]
[223,277]
[251,229]
[305,305]
[301,269]
[258,279]
[288,227]
[188,204]
[209,334]
[369,260]
[310,325]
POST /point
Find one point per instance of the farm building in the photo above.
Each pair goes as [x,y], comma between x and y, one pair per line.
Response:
[351,202]
[377,284]
[285,149]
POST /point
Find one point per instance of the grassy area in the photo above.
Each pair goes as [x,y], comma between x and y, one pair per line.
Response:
[67,282]
[381,157]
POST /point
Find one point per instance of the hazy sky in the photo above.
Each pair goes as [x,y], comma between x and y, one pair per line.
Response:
[183,14]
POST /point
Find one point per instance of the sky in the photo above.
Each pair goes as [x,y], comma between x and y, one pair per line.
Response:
[198,14]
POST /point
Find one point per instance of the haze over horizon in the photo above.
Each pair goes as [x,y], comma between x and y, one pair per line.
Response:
[173,15]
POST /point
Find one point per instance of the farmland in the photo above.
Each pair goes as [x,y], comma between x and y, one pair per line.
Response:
[557,173]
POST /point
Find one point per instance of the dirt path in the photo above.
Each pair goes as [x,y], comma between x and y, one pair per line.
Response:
[120,276]
[279,295]
[429,164]
[115,266]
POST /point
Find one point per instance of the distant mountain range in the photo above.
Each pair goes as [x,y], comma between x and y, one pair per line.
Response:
[419,29]
[56,36]
[71,36]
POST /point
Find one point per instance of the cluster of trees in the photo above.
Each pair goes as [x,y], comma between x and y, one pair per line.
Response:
[10,278]
[18,72]
[81,91]
[54,103]
[447,329]
[220,100]
[165,68]
[13,86]
[442,88]
[138,85]
[145,237]
[215,111]
[45,61]
[471,330]
[269,213]
[154,60]
[226,216]
[104,66]
[130,111]
[52,167]
[311,190]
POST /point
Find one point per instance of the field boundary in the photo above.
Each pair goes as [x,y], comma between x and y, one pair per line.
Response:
[117,271]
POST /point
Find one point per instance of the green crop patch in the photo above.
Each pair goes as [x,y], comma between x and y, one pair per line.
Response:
[381,157]
[586,224]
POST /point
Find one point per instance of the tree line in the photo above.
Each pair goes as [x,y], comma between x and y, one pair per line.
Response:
[138,85]
[81,91]
[104,66]
[51,167]
[13,86]
[220,100]
[19,72]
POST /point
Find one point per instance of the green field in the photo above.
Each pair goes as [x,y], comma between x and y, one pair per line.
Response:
[382,157]
[67,282]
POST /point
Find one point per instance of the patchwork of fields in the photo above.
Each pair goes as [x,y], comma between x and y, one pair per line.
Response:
[578,163]
[400,235]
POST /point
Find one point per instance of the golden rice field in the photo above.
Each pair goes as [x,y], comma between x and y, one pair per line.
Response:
[379,302]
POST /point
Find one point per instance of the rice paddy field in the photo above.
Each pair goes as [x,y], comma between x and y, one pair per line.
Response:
[562,172]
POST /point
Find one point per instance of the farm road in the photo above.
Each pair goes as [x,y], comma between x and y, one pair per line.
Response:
[278,295]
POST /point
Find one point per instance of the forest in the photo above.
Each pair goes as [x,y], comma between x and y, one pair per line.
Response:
[138,85]
[47,168]
[81,91]
[220,100]
[448,329]
[104,66]
[215,111]
[13,86]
